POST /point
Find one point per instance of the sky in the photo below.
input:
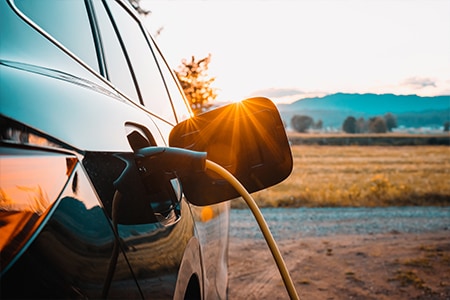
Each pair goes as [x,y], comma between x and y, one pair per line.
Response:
[287,50]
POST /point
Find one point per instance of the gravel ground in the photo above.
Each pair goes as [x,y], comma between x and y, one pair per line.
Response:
[343,253]
[294,223]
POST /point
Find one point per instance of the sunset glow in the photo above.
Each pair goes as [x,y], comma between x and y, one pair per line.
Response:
[287,50]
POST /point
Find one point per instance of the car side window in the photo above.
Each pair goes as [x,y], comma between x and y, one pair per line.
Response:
[117,69]
[67,22]
[151,85]
[179,103]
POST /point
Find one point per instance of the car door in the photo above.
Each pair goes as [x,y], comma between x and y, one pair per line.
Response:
[211,233]
[155,241]
[57,241]
[101,120]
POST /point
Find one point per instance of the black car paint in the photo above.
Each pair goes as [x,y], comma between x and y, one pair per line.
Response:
[68,254]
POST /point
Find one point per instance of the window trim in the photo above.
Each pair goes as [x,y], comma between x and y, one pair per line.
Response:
[120,95]
[174,78]
[98,44]
[150,45]
[124,51]
[52,40]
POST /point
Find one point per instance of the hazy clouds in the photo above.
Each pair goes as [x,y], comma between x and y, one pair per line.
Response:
[419,82]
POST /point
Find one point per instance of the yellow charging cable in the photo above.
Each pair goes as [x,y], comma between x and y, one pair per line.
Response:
[262,225]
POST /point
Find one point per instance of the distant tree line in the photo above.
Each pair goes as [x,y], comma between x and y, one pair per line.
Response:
[379,124]
[303,123]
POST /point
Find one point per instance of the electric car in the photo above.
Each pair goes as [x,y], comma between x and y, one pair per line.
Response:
[104,192]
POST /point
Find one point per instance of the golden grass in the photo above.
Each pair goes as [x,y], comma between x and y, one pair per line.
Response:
[362,176]
[409,278]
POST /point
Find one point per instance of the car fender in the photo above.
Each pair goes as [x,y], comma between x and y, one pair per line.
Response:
[190,266]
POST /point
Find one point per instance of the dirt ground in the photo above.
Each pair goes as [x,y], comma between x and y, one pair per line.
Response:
[381,266]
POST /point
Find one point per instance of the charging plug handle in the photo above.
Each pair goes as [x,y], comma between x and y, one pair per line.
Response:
[181,161]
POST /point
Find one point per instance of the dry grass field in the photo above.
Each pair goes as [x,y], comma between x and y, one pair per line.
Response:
[362,176]
[370,139]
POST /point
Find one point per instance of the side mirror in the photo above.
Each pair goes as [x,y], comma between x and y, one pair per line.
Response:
[247,138]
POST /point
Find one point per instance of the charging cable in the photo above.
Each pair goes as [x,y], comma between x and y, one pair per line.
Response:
[157,159]
[262,225]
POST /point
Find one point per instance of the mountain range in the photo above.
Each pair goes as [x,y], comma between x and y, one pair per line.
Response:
[410,110]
